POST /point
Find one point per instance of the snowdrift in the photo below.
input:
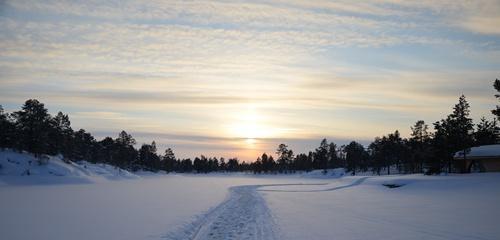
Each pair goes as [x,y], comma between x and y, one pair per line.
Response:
[26,166]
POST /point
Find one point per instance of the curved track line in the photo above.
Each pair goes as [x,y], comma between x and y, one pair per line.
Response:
[355,183]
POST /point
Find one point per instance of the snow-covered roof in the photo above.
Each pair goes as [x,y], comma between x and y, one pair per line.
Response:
[484,151]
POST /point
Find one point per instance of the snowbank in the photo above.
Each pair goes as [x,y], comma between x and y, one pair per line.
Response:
[16,167]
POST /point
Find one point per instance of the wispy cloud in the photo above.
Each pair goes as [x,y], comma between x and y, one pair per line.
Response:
[346,69]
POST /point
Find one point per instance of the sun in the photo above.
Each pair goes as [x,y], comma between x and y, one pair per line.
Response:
[248,129]
[251,141]
[250,125]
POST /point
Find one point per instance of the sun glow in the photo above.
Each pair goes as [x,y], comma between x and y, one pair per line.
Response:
[250,125]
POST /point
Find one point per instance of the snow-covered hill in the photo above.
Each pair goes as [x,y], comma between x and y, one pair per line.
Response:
[15,164]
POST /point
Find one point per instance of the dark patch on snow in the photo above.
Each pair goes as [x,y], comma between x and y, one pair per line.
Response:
[393,185]
[56,174]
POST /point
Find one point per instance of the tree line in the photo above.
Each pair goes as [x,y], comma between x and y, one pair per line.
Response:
[425,151]
[34,130]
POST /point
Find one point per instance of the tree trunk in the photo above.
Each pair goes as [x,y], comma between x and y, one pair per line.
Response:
[465,160]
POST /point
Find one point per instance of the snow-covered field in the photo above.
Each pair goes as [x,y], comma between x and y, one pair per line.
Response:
[244,206]
[427,207]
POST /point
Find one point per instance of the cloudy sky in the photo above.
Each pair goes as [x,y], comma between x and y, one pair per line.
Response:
[235,78]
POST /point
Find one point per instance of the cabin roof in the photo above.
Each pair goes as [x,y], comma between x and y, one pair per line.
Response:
[485,151]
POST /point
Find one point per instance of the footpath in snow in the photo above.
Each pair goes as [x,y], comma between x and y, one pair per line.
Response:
[243,215]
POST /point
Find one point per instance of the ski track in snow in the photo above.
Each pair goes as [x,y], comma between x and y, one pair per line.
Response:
[355,183]
[244,215]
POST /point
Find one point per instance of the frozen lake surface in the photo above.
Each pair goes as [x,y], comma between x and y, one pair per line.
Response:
[243,206]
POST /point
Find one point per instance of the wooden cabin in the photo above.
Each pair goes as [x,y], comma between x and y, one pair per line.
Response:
[484,158]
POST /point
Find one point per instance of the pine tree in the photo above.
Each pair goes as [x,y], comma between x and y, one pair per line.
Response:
[321,156]
[285,156]
[107,149]
[376,156]
[257,166]
[125,139]
[83,146]
[169,161]
[462,127]
[197,165]
[61,135]
[486,132]
[148,158]
[453,134]
[124,154]
[441,147]
[399,150]
[419,144]
[33,123]
[355,155]
[203,164]
[387,151]
[496,111]
[214,166]
[266,164]
[272,164]
[419,132]
[185,165]
[222,165]
[232,164]
[333,159]
[7,130]
[309,162]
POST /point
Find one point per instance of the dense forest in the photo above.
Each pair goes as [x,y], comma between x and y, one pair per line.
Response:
[34,130]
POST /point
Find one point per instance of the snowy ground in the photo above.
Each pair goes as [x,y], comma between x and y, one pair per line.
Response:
[157,207]
[444,207]
[243,206]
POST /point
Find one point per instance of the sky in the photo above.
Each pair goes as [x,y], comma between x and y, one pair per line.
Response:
[236,78]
